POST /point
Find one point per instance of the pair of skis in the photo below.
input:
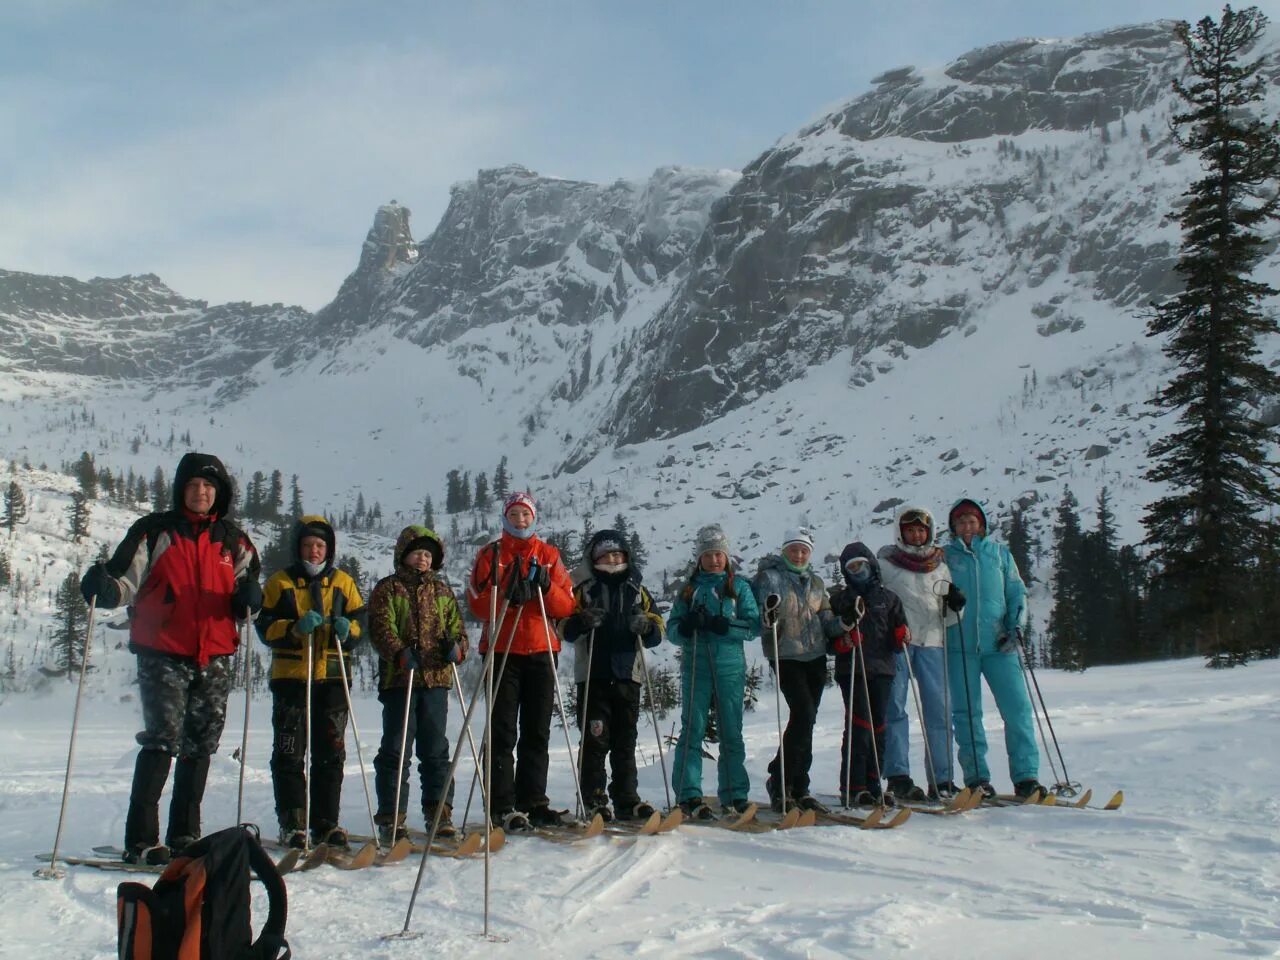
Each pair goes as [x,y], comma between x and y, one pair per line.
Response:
[1053,800]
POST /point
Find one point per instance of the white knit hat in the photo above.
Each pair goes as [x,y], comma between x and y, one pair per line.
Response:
[798,535]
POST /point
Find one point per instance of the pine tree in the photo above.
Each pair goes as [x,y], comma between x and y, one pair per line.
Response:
[6,570]
[1097,586]
[275,500]
[1065,633]
[161,497]
[70,623]
[1020,543]
[1218,465]
[482,492]
[428,513]
[453,491]
[296,508]
[587,532]
[78,516]
[86,473]
[501,480]
[15,506]
[464,492]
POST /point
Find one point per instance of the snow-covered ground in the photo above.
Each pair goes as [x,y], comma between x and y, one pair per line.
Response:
[1188,868]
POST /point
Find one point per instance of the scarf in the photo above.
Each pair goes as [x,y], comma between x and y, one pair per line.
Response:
[916,564]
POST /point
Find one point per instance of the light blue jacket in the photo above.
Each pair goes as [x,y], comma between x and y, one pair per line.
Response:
[708,594]
[996,596]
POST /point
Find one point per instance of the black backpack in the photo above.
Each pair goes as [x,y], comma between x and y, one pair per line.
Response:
[199,908]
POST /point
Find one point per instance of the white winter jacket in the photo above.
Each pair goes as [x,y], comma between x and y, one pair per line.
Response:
[923,607]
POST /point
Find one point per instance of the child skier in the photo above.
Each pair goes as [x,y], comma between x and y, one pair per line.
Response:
[912,567]
[805,627]
[531,581]
[310,604]
[189,574]
[613,613]
[985,644]
[713,616]
[416,626]
[875,630]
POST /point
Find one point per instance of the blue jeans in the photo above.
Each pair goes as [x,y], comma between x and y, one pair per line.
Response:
[927,663]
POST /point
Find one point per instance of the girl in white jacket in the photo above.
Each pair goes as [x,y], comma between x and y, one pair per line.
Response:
[912,568]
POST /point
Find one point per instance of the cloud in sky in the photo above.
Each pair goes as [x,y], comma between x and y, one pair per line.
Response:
[240,150]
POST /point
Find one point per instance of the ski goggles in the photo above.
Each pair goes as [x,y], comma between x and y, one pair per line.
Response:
[916,516]
[858,564]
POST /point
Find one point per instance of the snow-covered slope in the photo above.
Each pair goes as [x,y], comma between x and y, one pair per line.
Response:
[1186,869]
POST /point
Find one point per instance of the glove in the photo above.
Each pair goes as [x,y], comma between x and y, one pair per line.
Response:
[308,622]
[769,612]
[847,641]
[954,599]
[540,577]
[341,629]
[902,637]
[696,620]
[640,624]
[407,659]
[845,606]
[456,651]
[588,619]
[519,590]
[246,598]
[1009,642]
[719,624]
[100,585]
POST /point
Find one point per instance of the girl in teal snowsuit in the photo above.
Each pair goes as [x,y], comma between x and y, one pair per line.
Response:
[985,644]
[713,616]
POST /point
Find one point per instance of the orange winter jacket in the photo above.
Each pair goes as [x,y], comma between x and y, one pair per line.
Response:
[530,634]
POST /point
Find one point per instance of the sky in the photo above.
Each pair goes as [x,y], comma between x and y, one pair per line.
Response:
[239,149]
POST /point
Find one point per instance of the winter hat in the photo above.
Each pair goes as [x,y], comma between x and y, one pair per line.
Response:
[208,467]
[313,525]
[962,508]
[603,545]
[520,499]
[711,537]
[800,535]
[417,537]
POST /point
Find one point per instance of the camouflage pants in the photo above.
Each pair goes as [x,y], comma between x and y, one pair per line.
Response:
[184,706]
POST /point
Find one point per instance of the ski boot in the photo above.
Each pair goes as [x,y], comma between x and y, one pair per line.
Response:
[695,809]
[985,787]
[738,806]
[334,837]
[776,801]
[543,816]
[635,810]
[1033,791]
[904,788]
[293,831]
[390,833]
[513,821]
[943,791]
[807,801]
[446,827]
[598,802]
[153,856]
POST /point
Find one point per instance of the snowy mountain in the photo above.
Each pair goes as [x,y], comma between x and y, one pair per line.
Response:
[935,289]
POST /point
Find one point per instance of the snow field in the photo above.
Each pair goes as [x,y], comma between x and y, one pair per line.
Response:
[1187,868]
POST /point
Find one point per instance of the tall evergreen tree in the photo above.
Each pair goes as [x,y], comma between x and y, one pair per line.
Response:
[481,501]
[1098,599]
[161,498]
[453,491]
[501,480]
[296,508]
[86,474]
[428,513]
[15,506]
[71,619]
[1218,465]
[1020,542]
[78,516]
[275,499]
[1065,633]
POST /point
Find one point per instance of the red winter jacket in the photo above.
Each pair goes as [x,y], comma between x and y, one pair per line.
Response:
[530,633]
[178,571]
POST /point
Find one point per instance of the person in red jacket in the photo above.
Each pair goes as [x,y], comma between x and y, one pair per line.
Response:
[189,575]
[524,697]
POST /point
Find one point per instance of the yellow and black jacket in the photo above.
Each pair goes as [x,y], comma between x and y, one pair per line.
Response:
[289,594]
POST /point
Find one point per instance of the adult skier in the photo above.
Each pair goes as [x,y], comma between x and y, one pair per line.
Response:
[189,574]
[311,616]
[417,629]
[536,589]
[985,644]
[912,567]
[805,627]
[713,616]
[612,611]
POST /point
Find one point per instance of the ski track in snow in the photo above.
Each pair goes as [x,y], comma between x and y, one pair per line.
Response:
[1187,868]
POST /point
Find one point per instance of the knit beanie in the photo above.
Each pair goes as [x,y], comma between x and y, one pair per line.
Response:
[799,535]
[711,537]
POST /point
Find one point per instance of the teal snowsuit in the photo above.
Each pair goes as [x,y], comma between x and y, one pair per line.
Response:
[713,666]
[986,573]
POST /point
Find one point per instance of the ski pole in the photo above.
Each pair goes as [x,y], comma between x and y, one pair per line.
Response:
[859,610]
[53,871]
[306,750]
[653,710]
[586,701]
[968,702]
[462,708]
[1068,784]
[946,679]
[483,773]
[339,607]
[1035,712]
[555,677]
[687,719]
[915,692]
[871,718]
[401,760]
[247,651]
[771,604]
[486,672]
